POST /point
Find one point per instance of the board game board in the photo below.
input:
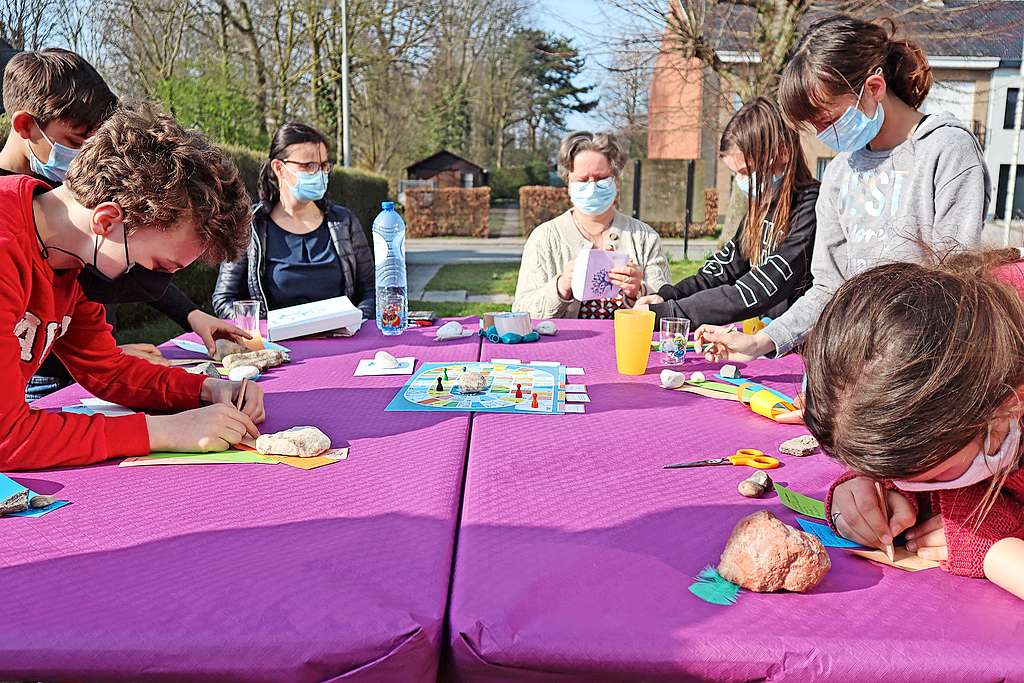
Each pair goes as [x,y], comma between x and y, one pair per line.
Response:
[503,382]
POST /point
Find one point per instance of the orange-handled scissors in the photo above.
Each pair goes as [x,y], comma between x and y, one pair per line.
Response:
[748,457]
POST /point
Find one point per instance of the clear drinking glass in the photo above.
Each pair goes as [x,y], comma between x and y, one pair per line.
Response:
[247,317]
[674,334]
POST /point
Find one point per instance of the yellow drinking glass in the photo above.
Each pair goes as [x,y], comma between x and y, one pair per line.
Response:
[633,330]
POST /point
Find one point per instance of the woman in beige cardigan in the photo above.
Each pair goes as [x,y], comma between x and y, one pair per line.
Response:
[591,165]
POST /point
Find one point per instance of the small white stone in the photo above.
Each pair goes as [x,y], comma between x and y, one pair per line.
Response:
[450,330]
[698,377]
[670,379]
[383,359]
[729,371]
[238,373]
[546,327]
[472,383]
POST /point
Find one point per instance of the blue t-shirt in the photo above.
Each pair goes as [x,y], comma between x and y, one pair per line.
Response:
[301,268]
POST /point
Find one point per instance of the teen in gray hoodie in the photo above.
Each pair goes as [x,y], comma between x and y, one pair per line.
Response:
[904,187]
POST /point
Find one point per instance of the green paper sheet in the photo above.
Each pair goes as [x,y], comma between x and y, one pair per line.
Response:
[798,502]
[235,456]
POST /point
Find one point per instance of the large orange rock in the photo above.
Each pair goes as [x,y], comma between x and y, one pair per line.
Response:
[765,555]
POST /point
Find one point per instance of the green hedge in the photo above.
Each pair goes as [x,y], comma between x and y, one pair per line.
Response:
[506,181]
[360,191]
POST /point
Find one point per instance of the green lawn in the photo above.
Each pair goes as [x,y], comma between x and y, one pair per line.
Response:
[500,278]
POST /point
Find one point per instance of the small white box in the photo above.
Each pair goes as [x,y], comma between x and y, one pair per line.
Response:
[312,318]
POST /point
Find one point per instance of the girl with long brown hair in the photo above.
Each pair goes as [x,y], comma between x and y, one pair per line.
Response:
[904,182]
[915,377]
[766,266]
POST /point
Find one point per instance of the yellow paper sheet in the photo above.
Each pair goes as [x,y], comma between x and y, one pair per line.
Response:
[905,560]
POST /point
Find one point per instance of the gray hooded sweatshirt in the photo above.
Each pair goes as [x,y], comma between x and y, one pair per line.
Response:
[928,193]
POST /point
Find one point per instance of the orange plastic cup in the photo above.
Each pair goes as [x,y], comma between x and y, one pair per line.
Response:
[633,331]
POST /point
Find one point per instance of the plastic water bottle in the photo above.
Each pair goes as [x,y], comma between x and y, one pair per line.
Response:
[389,258]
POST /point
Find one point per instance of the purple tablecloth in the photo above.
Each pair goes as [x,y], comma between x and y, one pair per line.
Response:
[251,572]
[576,549]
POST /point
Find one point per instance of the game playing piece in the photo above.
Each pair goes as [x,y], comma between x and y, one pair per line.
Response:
[533,402]
[439,387]
[445,373]
[519,391]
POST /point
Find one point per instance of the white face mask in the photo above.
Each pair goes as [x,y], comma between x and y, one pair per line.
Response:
[983,467]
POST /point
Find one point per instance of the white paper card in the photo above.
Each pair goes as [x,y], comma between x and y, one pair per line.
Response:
[577,398]
[576,388]
[507,361]
[369,367]
[574,371]
[575,408]
[545,363]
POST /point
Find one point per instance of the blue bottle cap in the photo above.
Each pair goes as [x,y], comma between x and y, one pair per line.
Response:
[387,206]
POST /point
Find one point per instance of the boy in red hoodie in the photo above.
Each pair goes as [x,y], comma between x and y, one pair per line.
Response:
[142,199]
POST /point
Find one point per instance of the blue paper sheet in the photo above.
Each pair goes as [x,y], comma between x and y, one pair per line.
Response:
[9,487]
[824,533]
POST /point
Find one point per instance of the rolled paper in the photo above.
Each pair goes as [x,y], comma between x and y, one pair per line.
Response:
[517,322]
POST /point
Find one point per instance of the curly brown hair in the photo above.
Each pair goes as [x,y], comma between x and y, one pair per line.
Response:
[161,174]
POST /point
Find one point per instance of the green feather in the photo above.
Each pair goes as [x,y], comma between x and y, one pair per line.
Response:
[711,587]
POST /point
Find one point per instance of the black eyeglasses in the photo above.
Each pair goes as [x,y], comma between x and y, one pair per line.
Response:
[312,166]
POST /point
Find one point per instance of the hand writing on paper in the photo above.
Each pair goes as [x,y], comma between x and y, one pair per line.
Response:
[858,516]
[223,391]
[629,278]
[208,429]
[728,343]
[928,539]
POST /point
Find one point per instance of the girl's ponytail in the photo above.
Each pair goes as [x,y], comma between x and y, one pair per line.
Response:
[906,68]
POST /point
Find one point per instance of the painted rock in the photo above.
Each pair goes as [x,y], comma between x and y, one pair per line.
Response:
[765,555]
[472,383]
[383,359]
[302,441]
[670,379]
[240,372]
[547,328]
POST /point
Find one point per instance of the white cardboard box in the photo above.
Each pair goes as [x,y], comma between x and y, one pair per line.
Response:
[312,318]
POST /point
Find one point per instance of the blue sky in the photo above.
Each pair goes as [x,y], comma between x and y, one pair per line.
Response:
[585,21]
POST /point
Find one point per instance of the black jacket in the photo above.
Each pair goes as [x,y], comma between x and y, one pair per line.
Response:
[727,289]
[243,279]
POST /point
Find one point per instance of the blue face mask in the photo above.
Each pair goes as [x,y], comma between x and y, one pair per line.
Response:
[56,166]
[746,182]
[853,130]
[309,187]
[593,198]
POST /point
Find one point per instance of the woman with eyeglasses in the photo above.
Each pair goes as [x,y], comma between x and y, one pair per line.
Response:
[304,247]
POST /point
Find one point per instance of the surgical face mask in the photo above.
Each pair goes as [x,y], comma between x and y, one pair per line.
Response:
[56,166]
[309,187]
[135,284]
[593,198]
[853,130]
[746,182]
[983,467]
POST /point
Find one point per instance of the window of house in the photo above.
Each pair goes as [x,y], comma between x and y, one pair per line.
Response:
[1010,113]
